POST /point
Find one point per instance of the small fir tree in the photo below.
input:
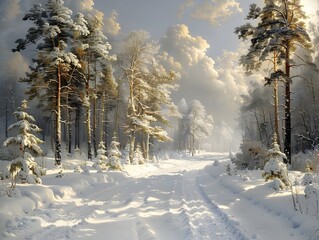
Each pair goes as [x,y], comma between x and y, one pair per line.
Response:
[125,155]
[101,158]
[114,155]
[275,168]
[24,168]
[138,156]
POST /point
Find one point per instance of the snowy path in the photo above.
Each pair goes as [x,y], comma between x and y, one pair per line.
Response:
[174,200]
[167,203]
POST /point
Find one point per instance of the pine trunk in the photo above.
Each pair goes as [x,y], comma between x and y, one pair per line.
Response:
[132,143]
[58,120]
[287,147]
[147,147]
[276,112]
[88,114]
[102,117]
[94,117]
[69,132]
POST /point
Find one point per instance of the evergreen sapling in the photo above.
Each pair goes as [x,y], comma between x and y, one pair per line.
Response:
[24,168]
[114,156]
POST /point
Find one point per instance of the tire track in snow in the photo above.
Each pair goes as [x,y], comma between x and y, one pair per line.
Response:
[205,219]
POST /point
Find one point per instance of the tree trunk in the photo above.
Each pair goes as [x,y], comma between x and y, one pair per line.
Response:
[69,132]
[132,143]
[77,128]
[58,120]
[276,112]
[147,147]
[102,116]
[258,125]
[89,130]
[287,147]
[88,114]
[94,117]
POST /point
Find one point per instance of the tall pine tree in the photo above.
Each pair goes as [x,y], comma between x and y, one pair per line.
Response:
[52,32]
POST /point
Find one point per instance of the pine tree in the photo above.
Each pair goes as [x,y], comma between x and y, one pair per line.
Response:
[135,58]
[101,158]
[275,167]
[279,32]
[149,90]
[55,64]
[93,51]
[25,166]
[114,155]
[196,125]
[138,156]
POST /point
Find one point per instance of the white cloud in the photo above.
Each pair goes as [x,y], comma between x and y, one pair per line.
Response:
[217,84]
[80,5]
[111,24]
[213,11]
[186,47]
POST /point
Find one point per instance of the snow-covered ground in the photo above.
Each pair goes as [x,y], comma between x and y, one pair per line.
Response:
[180,198]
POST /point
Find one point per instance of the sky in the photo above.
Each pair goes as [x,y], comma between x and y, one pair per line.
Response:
[198,34]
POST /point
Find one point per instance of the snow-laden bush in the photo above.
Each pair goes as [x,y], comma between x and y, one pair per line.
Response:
[114,156]
[276,184]
[303,162]
[275,168]
[252,155]
[307,179]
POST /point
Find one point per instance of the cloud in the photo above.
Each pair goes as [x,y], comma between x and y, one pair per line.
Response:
[184,6]
[82,6]
[218,83]
[111,24]
[9,10]
[185,47]
[213,11]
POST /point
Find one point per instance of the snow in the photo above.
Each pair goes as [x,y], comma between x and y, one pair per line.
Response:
[182,197]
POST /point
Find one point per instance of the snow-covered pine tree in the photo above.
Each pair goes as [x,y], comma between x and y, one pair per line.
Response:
[101,157]
[24,168]
[136,58]
[181,141]
[108,94]
[157,105]
[126,154]
[93,51]
[275,168]
[197,125]
[150,87]
[54,63]
[138,156]
[278,34]
[114,155]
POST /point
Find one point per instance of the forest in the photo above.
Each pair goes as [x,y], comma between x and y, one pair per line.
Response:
[90,94]
[117,134]
[86,94]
